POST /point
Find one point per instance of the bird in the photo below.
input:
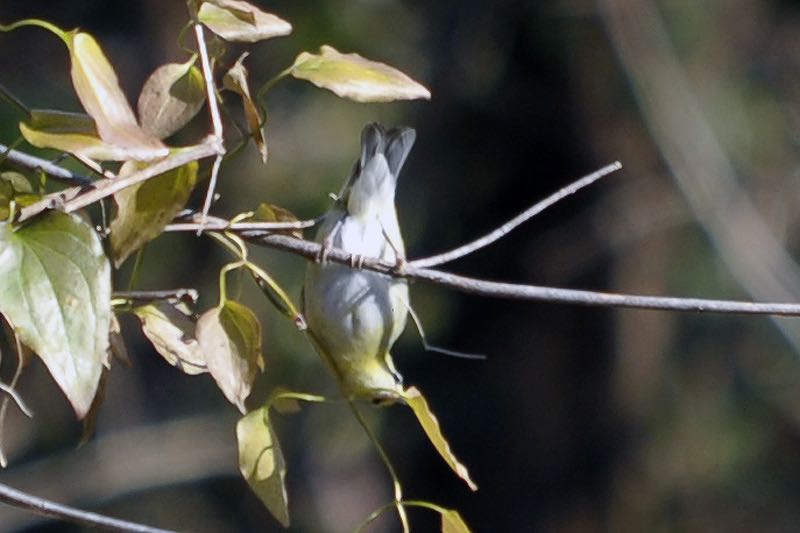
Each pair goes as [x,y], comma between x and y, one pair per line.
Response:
[354,316]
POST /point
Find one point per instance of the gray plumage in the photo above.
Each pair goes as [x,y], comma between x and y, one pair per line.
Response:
[355,316]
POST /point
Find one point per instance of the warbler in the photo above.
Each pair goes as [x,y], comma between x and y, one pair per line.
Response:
[354,316]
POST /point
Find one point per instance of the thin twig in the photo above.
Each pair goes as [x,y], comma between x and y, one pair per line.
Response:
[523,217]
[216,120]
[174,295]
[4,406]
[22,500]
[81,196]
[122,462]
[437,349]
[208,74]
[220,224]
[27,161]
[398,489]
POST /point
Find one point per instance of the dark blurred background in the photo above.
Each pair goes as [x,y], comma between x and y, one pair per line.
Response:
[581,420]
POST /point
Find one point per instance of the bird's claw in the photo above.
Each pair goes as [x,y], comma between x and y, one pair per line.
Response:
[324,250]
[400,264]
[356,261]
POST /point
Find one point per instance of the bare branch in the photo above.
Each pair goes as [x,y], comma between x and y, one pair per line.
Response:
[22,500]
[174,295]
[208,75]
[81,196]
[523,217]
[122,461]
[310,250]
[27,161]
[216,121]
[220,224]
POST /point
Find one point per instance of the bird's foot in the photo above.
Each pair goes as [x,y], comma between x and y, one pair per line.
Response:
[324,250]
[356,261]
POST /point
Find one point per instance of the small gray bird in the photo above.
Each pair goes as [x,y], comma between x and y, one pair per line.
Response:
[355,316]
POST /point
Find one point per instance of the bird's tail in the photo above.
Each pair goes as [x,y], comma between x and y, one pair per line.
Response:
[393,143]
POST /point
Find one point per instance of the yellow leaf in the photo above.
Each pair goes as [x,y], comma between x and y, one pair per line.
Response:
[75,133]
[354,77]
[453,523]
[261,462]
[230,341]
[430,424]
[236,80]
[144,210]
[273,213]
[172,333]
[234,20]
[172,95]
[98,90]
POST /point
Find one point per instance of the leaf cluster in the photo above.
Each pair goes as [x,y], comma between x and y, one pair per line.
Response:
[56,266]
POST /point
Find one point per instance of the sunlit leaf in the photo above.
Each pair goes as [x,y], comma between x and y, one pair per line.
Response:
[70,132]
[170,98]
[453,523]
[354,77]
[172,333]
[261,462]
[236,80]
[55,289]
[272,213]
[240,21]
[230,341]
[430,424]
[144,210]
[98,90]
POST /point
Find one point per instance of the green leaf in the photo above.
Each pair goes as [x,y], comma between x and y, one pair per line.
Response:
[230,341]
[172,95]
[98,90]
[12,184]
[144,210]
[453,523]
[55,289]
[70,132]
[240,21]
[261,462]
[236,80]
[416,401]
[172,333]
[16,181]
[354,77]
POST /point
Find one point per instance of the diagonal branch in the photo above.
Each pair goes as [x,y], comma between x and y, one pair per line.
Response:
[523,217]
[515,291]
[23,500]
[216,121]
[81,196]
